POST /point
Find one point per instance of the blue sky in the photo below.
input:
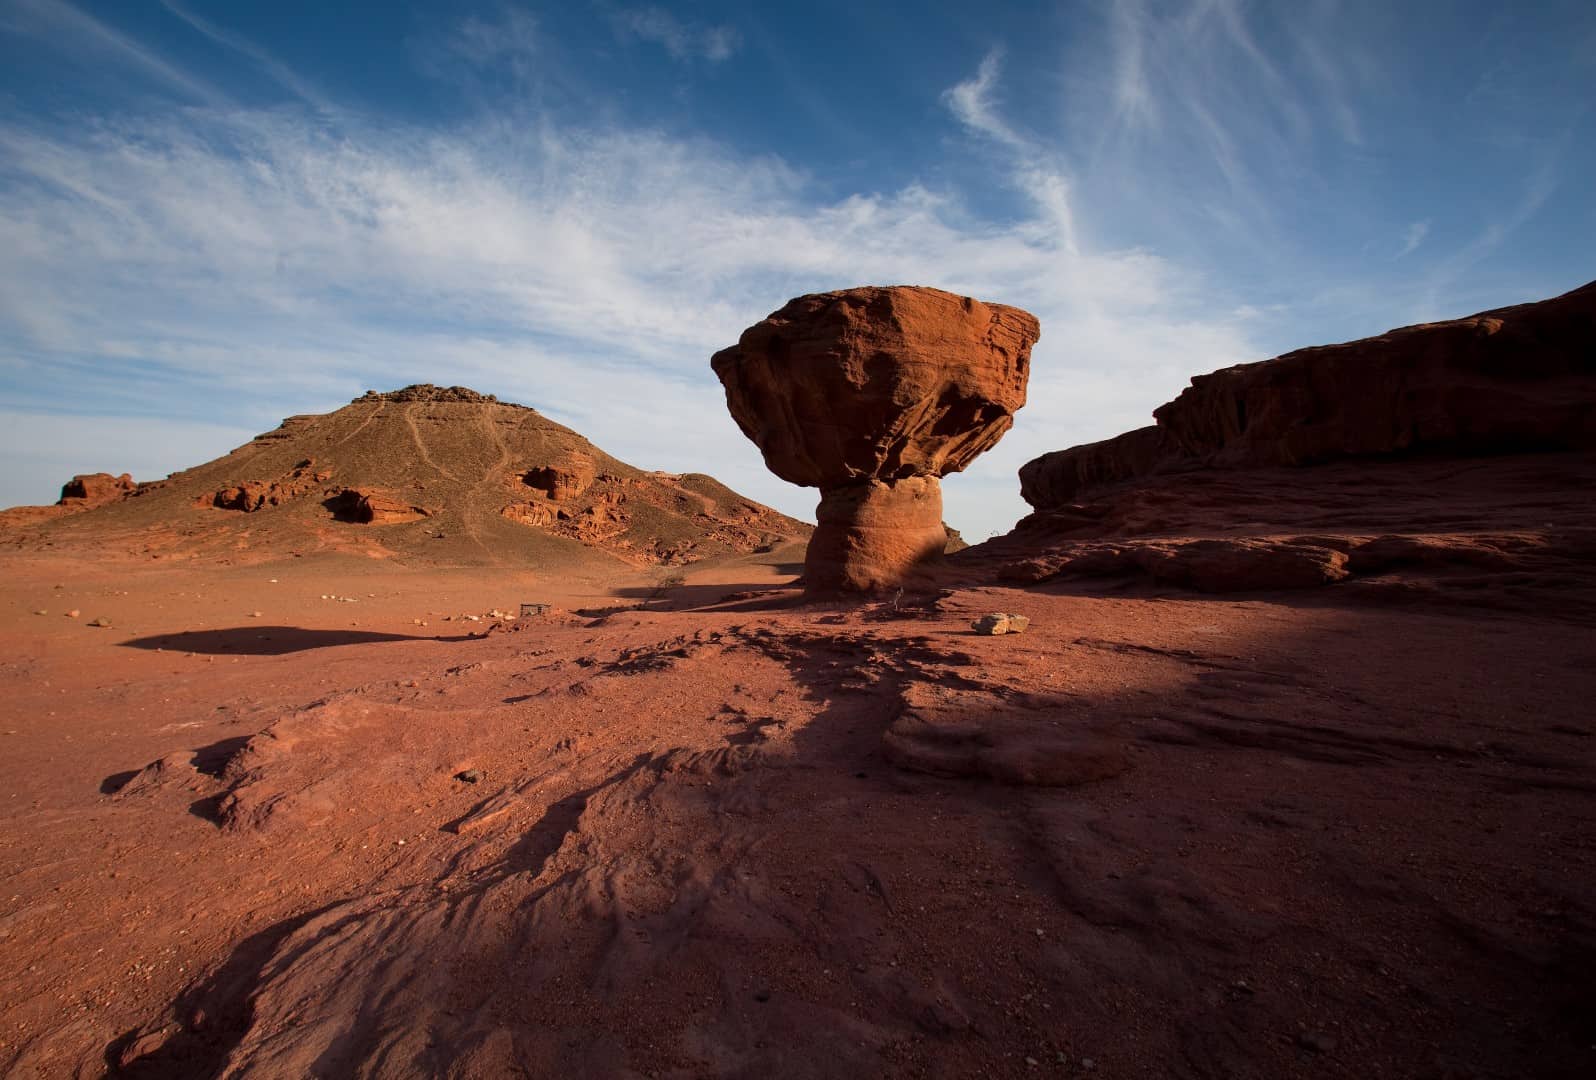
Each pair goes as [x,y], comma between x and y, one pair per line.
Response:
[213,215]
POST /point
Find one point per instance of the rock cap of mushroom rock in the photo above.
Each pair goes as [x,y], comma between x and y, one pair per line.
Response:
[878,383]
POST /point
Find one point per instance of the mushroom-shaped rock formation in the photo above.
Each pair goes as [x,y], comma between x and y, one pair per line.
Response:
[872,395]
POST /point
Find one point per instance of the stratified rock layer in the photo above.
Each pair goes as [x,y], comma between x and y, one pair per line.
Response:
[1509,380]
[96,489]
[868,534]
[872,394]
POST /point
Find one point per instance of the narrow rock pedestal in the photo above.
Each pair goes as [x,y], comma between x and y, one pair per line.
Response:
[870,535]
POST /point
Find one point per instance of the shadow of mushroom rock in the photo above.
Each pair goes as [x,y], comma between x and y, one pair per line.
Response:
[269,640]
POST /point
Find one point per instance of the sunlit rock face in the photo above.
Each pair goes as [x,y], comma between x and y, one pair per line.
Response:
[872,395]
[1518,379]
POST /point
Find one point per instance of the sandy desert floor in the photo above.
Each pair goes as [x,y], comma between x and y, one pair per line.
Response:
[1158,834]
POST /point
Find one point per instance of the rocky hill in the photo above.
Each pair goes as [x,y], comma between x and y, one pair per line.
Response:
[438,475]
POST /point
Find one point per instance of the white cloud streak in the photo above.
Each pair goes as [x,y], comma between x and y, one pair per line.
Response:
[1413,237]
[56,19]
[683,41]
[280,72]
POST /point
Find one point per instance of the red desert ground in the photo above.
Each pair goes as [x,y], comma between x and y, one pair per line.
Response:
[1290,773]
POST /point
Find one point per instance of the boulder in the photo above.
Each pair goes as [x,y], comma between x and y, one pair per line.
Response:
[93,489]
[872,395]
[537,515]
[565,479]
[1000,622]
[370,506]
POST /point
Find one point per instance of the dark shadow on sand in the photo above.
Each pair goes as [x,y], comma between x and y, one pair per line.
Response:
[269,640]
[210,760]
[213,1013]
[117,781]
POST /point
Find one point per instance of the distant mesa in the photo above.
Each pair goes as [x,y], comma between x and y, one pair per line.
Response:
[872,394]
[440,475]
[1517,378]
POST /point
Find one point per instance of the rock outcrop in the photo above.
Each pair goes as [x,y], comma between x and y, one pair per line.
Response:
[253,495]
[562,480]
[427,393]
[1509,380]
[872,395]
[96,489]
[370,506]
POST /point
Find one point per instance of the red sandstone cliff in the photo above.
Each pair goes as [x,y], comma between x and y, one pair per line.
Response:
[1514,379]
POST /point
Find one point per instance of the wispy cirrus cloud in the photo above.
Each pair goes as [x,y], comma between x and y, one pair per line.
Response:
[285,76]
[1192,86]
[1035,170]
[681,39]
[1413,237]
[56,19]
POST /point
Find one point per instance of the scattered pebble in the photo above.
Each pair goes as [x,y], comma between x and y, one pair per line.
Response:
[254,614]
[101,621]
[74,613]
[470,776]
[41,611]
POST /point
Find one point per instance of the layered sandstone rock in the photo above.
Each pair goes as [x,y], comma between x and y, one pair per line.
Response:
[95,489]
[253,495]
[1513,379]
[566,479]
[871,395]
[372,506]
